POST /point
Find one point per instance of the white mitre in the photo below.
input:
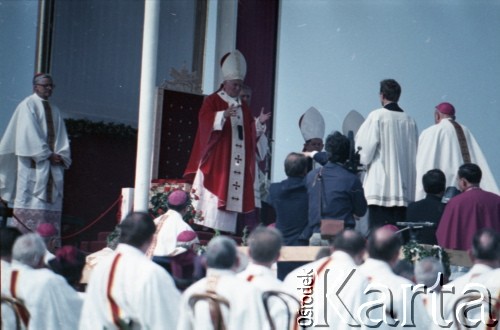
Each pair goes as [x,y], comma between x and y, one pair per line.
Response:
[233,66]
[312,124]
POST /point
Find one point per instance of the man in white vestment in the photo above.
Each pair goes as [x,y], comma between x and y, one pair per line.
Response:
[485,255]
[331,289]
[8,236]
[128,289]
[388,141]
[222,161]
[51,302]
[396,306]
[34,152]
[447,145]
[170,225]
[264,245]
[221,300]
[429,271]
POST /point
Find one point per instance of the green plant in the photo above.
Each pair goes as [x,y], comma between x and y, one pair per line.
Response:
[413,252]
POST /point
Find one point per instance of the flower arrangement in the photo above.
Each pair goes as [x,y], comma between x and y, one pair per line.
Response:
[158,195]
[414,251]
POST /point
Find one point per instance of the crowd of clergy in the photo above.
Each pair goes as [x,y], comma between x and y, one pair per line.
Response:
[354,284]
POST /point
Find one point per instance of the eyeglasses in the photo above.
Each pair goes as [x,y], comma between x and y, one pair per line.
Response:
[47,85]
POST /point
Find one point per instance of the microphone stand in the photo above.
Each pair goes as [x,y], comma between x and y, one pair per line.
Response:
[412,226]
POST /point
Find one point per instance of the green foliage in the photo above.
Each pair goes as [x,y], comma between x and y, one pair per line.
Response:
[413,252]
[84,127]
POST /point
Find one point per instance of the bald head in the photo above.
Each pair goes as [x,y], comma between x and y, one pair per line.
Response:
[486,247]
[384,244]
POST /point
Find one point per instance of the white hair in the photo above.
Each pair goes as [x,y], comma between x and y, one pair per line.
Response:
[29,249]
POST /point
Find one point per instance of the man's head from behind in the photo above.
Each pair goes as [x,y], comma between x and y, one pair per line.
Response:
[29,249]
[444,110]
[486,247]
[384,244]
[337,146]
[246,94]
[350,242]
[265,245]
[427,271]
[8,236]
[390,90]
[295,165]
[221,253]
[48,232]
[178,200]
[137,230]
[434,182]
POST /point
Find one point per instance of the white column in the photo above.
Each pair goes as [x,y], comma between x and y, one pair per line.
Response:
[220,39]
[146,105]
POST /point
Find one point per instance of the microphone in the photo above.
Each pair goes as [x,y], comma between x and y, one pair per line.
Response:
[416,224]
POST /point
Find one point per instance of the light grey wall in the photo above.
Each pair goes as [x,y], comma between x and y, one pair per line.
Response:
[332,55]
[18,22]
[97,54]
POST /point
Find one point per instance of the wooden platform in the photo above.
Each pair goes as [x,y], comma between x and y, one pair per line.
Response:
[308,253]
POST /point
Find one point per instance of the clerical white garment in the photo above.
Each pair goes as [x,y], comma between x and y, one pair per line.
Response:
[472,276]
[438,147]
[246,311]
[168,226]
[8,315]
[326,302]
[50,300]
[388,141]
[390,288]
[24,141]
[142,290]
[491,281]
[265,279]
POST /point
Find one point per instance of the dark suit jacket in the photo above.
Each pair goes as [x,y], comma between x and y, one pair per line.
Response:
[428,209]
[290,202]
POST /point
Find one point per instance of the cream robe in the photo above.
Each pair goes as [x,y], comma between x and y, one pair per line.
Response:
[50,300]
[265,279]
[322,308]
[246,309]
[438,147]
[388,141]
[379,273]
[144,292]
[168,226]
[8,316]
[25,139]
[472,276]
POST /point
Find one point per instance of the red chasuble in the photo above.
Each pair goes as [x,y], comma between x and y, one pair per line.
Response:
[211,153]
[465,214]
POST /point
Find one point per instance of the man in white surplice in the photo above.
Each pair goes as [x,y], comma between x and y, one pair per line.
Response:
[264,246]
[439,147]
[396,305]
[239,302]
[331,289]
[388,140]
[128,289]
[34,152]
[170,225]
[51,302]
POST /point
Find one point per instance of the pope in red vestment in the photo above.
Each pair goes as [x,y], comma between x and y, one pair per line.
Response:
[222,162]
[468,212]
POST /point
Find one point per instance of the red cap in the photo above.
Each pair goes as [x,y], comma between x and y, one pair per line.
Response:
[446,108]
[46,230]
[177,198]
[186,236]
